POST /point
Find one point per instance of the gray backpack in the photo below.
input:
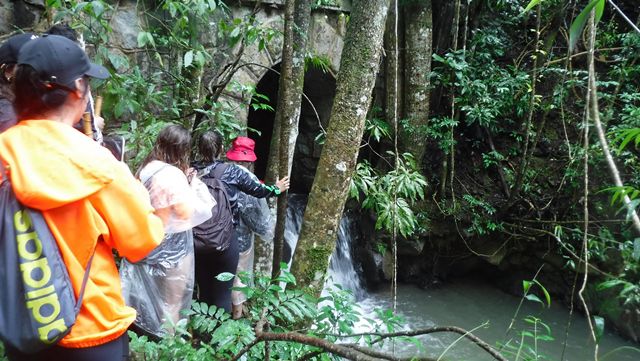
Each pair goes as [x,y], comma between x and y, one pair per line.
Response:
[37,303]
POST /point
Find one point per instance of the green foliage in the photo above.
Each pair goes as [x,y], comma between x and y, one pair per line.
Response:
[144,98]
[526,347]
[489,94]
[391,194]
[577,26]
[481,212]
[377,128]
[627,293]
[526,286]
[210,333]
[579,23]
[320,62]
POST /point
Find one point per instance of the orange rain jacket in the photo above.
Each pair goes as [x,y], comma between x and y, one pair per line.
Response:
[84,193]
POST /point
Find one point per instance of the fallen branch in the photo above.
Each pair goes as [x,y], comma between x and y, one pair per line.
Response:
[353,351]
[475,339]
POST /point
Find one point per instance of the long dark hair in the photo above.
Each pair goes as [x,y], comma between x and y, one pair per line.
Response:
[33,97]
[210,145]
[172,146]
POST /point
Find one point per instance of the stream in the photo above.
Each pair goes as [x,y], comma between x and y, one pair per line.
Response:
[468,304]
[471,304]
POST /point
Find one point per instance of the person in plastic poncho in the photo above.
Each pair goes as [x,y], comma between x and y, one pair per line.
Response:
[255,218]
[236,180]
[161,285]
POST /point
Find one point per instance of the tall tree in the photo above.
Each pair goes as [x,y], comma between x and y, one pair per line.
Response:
[358,68]
[392,56]
[418,50]
[296,27]
[594,115]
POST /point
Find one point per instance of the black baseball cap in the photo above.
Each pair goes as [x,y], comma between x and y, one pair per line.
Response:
[59,60]
[11,48]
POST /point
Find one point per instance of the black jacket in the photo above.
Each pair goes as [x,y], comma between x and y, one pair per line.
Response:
[7,115]
[237,179]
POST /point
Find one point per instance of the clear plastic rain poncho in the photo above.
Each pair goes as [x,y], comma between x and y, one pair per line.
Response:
[255,217]
[161,285]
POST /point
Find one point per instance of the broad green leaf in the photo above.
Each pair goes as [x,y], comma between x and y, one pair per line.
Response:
[142,39]
[188,58]
[534,298]
[636,249]
[531,5]
[225,276]
[627,135]
[97,7]
[545,292]
[599,10]
[235,32]
[598,327]
[581,20]
[526,285]
[609,284]
[438,58]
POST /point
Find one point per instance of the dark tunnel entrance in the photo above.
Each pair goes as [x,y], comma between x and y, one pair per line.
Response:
[320,88]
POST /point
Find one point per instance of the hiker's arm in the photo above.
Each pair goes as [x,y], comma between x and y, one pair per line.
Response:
[124,205]
[250,186]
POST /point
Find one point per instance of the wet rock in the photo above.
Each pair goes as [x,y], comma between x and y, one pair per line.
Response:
[629,324]
[126,26]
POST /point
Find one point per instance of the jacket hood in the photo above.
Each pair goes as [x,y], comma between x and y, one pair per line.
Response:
[50,164]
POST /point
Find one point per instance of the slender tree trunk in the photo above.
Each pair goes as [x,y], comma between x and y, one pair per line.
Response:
[418,51]
[297,18]
[392,97]
[520,176]
[594,115]
[358,69]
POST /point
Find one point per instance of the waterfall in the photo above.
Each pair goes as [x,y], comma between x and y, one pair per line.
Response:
[341,269]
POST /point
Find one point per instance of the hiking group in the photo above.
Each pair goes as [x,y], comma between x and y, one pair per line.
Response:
[70,205]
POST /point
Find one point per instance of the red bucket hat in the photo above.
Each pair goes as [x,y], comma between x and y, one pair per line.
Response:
[242,150]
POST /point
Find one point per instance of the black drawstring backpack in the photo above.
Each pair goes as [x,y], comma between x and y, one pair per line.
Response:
[37,303]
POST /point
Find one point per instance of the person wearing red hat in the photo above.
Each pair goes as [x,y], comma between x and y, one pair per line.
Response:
[236,180]
[242,150]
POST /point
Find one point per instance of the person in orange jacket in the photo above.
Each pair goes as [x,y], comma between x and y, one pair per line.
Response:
[91,202]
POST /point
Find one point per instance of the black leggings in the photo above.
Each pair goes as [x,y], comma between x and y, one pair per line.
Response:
[116,350]
[211,264]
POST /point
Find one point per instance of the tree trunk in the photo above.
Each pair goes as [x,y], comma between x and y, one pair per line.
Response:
[594,114]
[297,18]
[418,45]
[358,68]
[393,98]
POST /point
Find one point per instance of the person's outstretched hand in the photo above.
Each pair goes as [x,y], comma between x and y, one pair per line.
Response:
[283,184]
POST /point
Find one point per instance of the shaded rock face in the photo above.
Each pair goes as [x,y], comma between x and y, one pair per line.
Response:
[19,14]
[319,89]
[629,323]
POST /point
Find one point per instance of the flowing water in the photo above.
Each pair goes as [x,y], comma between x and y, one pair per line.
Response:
[469,304]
